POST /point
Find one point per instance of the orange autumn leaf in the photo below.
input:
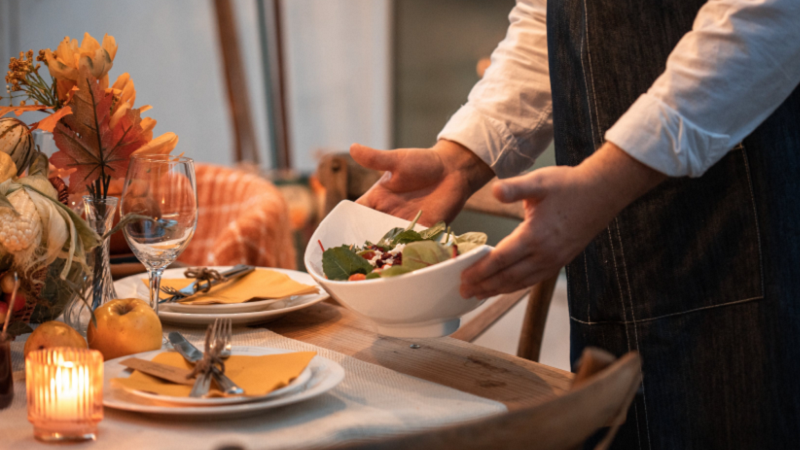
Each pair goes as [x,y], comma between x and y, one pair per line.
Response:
[88,142]
[161,145]
[49,122]
[19,110]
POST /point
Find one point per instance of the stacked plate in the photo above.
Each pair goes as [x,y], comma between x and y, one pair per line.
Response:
[320,376]
[255,311]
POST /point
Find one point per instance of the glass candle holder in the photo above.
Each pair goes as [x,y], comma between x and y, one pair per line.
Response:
[65,393]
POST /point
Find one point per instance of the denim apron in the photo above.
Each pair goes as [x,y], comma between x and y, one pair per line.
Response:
[701,276]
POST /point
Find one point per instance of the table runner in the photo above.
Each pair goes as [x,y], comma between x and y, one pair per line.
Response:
[371,403]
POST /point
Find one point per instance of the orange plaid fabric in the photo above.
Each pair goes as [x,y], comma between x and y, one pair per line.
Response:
[241,219]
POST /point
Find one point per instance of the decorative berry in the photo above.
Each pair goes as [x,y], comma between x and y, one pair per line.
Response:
[19,305]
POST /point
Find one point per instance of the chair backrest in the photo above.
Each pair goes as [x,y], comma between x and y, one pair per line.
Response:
[600,397]
[242,219]
[344,179]
[246,144]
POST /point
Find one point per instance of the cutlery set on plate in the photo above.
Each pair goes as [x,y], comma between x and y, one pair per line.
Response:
[200,285]
[244,294]
[218,341]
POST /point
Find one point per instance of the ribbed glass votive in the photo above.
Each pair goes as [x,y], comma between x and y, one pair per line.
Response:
[65,393]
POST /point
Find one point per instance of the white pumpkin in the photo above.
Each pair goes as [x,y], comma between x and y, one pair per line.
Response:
[17,142]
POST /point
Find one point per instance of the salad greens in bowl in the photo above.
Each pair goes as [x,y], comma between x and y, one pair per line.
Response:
[403,276]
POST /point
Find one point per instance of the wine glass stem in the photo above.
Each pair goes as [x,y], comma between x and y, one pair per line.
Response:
[155,287]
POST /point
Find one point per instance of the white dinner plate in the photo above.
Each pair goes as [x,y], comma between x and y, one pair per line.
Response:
[264,311]
[325,375]
[296,384]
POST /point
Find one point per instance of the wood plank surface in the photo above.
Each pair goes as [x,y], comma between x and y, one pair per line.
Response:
[516,382]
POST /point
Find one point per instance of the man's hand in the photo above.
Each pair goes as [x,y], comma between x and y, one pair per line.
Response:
[565,208]
[437,180]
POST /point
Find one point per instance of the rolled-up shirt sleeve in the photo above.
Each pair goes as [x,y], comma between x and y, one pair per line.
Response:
[507,120]
[739,62]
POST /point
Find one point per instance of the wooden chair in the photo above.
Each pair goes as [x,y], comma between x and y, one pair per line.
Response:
[601,394]
[344,179]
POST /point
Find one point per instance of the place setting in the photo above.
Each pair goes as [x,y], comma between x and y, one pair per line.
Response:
[244,294]
[160,207]
[217,379]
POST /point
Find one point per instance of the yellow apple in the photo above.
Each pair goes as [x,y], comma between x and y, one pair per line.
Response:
[124,327]
[53,334]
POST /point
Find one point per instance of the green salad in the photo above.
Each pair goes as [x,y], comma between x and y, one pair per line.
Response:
[399,251]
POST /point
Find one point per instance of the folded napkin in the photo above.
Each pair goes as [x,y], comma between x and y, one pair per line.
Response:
[260,284]
[257,375]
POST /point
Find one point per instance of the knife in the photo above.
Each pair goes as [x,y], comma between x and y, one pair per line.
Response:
[232,272]
[191,354]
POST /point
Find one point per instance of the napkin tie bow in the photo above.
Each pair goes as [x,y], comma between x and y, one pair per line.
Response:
[203,274]
[211,358]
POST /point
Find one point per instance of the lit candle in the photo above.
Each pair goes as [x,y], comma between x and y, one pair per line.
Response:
[65,393]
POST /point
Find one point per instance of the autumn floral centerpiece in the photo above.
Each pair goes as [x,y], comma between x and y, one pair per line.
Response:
[96,128]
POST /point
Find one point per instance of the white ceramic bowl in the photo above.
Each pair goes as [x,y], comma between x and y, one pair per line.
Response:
[423,303]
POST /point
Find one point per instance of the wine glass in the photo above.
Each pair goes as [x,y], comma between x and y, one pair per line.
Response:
[160,190]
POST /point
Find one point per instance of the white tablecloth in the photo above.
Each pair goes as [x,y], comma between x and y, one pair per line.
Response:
[371,403]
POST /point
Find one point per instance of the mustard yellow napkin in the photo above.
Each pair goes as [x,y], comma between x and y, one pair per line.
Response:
[258,285]
[257,375]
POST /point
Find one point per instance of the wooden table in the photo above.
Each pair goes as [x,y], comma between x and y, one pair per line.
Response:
[516,382]
[487,373]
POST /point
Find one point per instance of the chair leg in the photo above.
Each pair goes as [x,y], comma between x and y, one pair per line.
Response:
[530,340]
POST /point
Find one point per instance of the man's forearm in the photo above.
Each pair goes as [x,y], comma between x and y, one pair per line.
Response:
[455,156]
[620,179]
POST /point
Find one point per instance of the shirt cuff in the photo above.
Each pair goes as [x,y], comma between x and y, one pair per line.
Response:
[489,139]
[658,136]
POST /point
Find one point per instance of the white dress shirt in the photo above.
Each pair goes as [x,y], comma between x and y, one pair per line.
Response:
[739,62]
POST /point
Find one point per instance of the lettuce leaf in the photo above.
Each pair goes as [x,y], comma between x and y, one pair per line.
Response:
[468,241]
[338,263]
[418,255]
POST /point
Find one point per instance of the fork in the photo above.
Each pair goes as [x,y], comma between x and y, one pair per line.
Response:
[226,335]
[202,383]
[221,334]
[172,291]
